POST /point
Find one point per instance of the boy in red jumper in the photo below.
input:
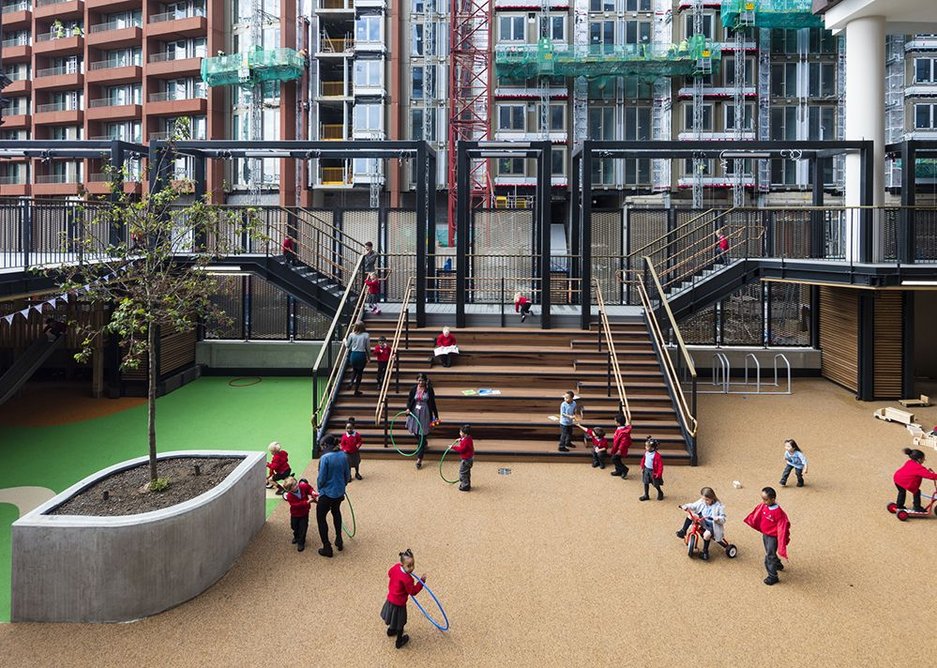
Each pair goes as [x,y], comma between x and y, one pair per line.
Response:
[909,477]
[621,443]
[351,446]
[466,449]
[599,445]
[278,468]
[772,522]
[300,495]
[381,354]
[399,586]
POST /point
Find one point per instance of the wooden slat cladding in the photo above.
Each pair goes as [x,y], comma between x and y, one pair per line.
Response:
[177,351]
[888,343]
[839,336]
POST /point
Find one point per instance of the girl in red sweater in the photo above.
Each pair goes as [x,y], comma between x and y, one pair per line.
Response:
[400,585]
[521,305]
[351,445]
[775,528]
[621,443]
[908,478]
[652,469]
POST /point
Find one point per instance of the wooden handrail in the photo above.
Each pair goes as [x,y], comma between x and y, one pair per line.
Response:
[686,413]
[401,319]
[613,356]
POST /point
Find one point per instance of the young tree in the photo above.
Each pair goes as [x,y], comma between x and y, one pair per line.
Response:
[150,260]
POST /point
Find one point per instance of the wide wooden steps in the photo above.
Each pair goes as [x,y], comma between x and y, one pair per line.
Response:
[530,369]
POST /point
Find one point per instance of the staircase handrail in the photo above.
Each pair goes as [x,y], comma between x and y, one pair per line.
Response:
[331,226]
[685,410]
[613,355]
[317,245]
[321,404]
[404,317]
[642,251]
[706,248]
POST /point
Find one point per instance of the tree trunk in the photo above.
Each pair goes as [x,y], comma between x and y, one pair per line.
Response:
[151,377]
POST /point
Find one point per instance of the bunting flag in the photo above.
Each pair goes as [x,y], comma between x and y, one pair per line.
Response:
[65,298]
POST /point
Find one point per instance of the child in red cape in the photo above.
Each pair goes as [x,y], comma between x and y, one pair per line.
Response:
[772,522]
[909,477]
[399,586]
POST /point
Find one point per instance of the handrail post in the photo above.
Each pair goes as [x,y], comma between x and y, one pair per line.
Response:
[396,374]
[502,297]
[608,358]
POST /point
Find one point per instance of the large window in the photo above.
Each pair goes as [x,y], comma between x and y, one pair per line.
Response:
[123,57]
[511,167]
[822,81]
[128,94]
[689,31]
[369,29]
[637,32]
[557,117]
[637,5]
[731,117]
[925,70]
[368,118]
[512,28]
[602,32]
[512,117]
[602,5]
[369,73]
[637,123]
[925,116]
[418,75]
[784,79]
[422,124]
[558,161]
[553,27]
[707,118]
[728,65]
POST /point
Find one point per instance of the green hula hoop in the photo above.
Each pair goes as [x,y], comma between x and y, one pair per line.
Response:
[442,459]
[354,522]
[394,443]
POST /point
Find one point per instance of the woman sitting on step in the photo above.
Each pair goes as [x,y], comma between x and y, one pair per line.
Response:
[421,404]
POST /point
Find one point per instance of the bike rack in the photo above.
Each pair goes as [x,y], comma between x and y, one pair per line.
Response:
[721,376]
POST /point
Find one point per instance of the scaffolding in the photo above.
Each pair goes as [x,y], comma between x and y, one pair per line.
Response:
[786,14]
[696,55]
[894,103]
[257,66]
[663,101]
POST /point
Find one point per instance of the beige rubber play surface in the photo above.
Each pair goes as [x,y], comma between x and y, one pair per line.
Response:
[561,565]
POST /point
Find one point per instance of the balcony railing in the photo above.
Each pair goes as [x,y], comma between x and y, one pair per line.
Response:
[116,25]
[55,106]
[13,111]
[177,15]
[168,96]
[166,56]
[56,71]
[46,3]
[110,102]
[56,178]
[15,7]
[12,180]
[65,34]
[108,64]
[104,177]
[18,41]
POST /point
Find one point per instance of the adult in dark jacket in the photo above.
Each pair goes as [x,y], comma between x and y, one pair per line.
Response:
[421,407]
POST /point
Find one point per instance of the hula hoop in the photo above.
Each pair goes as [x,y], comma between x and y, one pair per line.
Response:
[442,459]
[354,522]
[438,605]
[253,380]
[391,434]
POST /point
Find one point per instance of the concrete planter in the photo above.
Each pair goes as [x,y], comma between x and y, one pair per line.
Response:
[70,568]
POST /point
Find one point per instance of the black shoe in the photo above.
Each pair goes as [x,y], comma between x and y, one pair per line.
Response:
[523,318]
[300,547]
[800,483]
[419,464]
[770,581]
[595,465]
[704,556]
[782,483]
[340,545]
[325,553]
[615,473]
[918,510]
[358,476]
[660,495]
[294,541]
[402,640]
[602,466]
[465,489]
[643,498]
[563,449]
[681,534]
[780,566]
[391,633]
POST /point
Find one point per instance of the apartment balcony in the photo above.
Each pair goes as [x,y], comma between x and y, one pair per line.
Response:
[177,24]
[59,9]
[16,51]
[170,104]
[335,7]
[725,181]
[370,4]
[13,186]
[111,6]
[99,183]
[915,90]
[369,91]
[115,34]
[332,132]
[370,46]
[15,121]
[748,46]
[114,72]
[531,5]
[512,181]
[106,109]
[57,114]
[46,44]
[375,135]
[166,65]
[555,137]
[338,178]
[915,135]
[56,184]
[718,92]
[918,43]
[17,16]
[530,93]
[18,87]
[705,4]
[335,47]
[728,135]
[336,91]
[57,78]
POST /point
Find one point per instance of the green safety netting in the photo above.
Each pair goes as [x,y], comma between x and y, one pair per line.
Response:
[253,67]
[792,14]
[526,61]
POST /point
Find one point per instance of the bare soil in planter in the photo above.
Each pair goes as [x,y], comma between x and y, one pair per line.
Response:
[125,490]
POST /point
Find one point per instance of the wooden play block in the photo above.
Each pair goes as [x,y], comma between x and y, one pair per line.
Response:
[924,401]
[894,415]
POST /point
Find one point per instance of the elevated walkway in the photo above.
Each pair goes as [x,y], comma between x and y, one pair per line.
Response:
[26,365]
[253,67]
[546,59]
[786,14]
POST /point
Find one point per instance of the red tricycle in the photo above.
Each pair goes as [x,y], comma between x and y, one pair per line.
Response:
[904,514]
[694,538]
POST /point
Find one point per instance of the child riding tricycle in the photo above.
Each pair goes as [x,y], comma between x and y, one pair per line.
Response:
[705,522]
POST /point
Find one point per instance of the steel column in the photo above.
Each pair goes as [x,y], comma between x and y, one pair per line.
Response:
[544,164]
[906,219]
[463,210]
[585,238]
[421,223]
[866,361]
[575,201]
[907,342]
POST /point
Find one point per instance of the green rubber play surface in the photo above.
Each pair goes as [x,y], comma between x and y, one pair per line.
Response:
[205,414]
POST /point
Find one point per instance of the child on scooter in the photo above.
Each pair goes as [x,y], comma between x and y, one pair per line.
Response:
[908,479]
[710,508]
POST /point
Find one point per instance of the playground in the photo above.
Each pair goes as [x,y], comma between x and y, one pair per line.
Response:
[542,564]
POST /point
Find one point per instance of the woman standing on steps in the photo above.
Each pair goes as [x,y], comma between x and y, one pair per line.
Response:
[359,354]
[421,405]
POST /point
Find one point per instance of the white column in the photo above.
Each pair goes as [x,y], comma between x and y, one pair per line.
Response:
[865,111]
